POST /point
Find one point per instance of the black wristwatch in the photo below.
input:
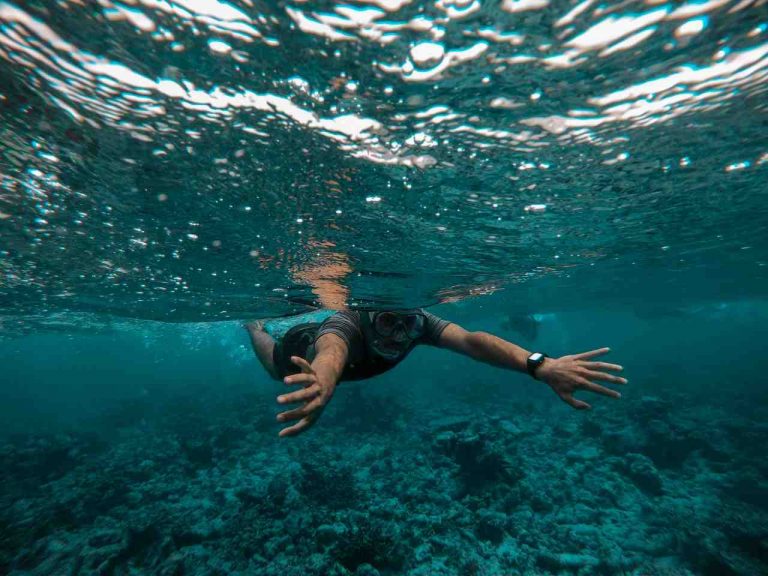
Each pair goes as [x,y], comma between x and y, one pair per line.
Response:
[534,361]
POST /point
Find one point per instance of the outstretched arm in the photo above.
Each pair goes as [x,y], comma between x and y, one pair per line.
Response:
[484,347]
[564,375]
[319,380]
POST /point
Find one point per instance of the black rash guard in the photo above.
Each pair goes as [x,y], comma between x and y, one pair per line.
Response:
[354,329]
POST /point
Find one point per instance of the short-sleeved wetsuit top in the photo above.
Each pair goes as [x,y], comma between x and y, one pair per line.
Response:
[355,330]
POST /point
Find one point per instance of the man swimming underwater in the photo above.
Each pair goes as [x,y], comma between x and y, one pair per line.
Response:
[352,345]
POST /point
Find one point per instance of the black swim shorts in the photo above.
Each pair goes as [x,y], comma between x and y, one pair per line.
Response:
[295,342]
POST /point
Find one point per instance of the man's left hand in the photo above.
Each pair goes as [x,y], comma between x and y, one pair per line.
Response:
[568,374]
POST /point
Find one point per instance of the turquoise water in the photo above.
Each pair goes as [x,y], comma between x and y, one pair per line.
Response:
[564,175]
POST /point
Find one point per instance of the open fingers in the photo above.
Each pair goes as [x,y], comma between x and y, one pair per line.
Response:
[305,366]
[602,376]
[294,414]
[602,366]
[301,378]
[574,402]
[297,413]
[597,389]
[297,428]
[592,353]
[304,394]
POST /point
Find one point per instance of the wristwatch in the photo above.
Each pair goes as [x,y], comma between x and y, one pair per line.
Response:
[534,361]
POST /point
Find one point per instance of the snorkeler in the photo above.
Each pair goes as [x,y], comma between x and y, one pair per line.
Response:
[352,345]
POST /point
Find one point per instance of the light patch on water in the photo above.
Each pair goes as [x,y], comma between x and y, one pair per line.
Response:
[218,17]
[515,6]
[691,27]
[612,29]
[574,13]
[689,9]
[536,208]
[315,26]
[422,140]
[512,38]
[458,9]
[219,47]
[388,5]
[411,73]
[738,166]
[427,53]
[629,42]
[133,16]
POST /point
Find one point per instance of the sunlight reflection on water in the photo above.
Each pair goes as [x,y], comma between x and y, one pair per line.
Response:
[201,159]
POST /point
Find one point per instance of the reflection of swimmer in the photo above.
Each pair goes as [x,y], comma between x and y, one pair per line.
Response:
[352,345]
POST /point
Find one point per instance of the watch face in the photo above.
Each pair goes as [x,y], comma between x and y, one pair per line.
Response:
[536,356]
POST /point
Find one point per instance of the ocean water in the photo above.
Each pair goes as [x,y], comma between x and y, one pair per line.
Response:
[565,175]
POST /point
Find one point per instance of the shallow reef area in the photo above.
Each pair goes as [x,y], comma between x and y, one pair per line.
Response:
[380,486]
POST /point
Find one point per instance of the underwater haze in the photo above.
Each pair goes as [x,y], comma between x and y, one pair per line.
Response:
[565,175]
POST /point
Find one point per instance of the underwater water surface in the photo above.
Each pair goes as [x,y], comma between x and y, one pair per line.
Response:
[566,175]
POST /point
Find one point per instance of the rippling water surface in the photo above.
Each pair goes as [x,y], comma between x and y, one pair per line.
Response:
[202,159]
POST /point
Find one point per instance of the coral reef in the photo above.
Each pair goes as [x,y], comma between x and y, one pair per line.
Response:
[204,486]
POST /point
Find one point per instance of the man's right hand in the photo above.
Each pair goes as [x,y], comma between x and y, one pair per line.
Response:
[316,393]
